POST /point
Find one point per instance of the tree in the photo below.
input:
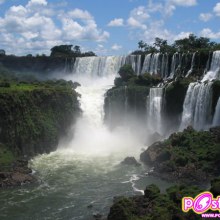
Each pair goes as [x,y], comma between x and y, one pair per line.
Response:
[126,72]
[193,43]
[160,44]
[141,45]
[2,52]
[89,54]
[61,50]
[77,50]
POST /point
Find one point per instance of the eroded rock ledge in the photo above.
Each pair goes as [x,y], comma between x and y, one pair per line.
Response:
[18,174]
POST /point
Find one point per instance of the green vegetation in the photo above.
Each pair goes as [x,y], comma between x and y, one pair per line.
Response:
[66,51]
[155,205]
[126,72]
[128,78]
[191,43]
[6,156]
[35,115]
[187,156]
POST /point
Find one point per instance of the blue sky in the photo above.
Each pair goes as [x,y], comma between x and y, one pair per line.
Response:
[110,27]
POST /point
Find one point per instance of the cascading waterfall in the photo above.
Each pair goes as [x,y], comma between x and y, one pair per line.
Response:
[154,109]
[192,65]
[216,118]
[152,64]
[198,100]
[175,63]
[135,62]
[98,66]
[155,64]
[164,66]
[96,75]
[197,106]
[146,65]
[214,72]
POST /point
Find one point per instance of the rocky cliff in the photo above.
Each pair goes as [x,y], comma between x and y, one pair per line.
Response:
[34,116]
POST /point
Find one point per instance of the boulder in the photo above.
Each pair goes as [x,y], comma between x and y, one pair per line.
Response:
[130,161]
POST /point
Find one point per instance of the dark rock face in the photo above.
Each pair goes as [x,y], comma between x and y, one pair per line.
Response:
[174,96]
[188,156]
[130,161]
[122,100]
[18,175]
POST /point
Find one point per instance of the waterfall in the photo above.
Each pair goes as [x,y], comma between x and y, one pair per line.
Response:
[103,66]
[192,65]
[125,105]
[197,106]
[214,71]
[146,65]
[135,62]
[216,118]
[155,64]
[175,63]
[154,109]
[138,70]
[98,66]
[164,66]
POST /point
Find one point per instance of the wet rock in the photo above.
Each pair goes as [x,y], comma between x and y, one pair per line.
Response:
[97,216]
[130,161]
[155,137]
[90,206]
[75,85]
[19,175]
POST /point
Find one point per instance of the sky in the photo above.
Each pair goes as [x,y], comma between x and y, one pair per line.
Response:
[106,27]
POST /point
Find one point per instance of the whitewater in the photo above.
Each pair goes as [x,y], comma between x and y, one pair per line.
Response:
[83,176]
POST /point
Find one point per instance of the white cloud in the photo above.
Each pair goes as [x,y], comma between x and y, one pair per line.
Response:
[117,22]
[182,35]
[32,27]
[138,17]
[116,47]
[170,5]
[183,2]
[156,29]
[32,3]
[80,25]
[80,14]
[206,32]
[140,13]
[133,23]
[205,16]
[216,9]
